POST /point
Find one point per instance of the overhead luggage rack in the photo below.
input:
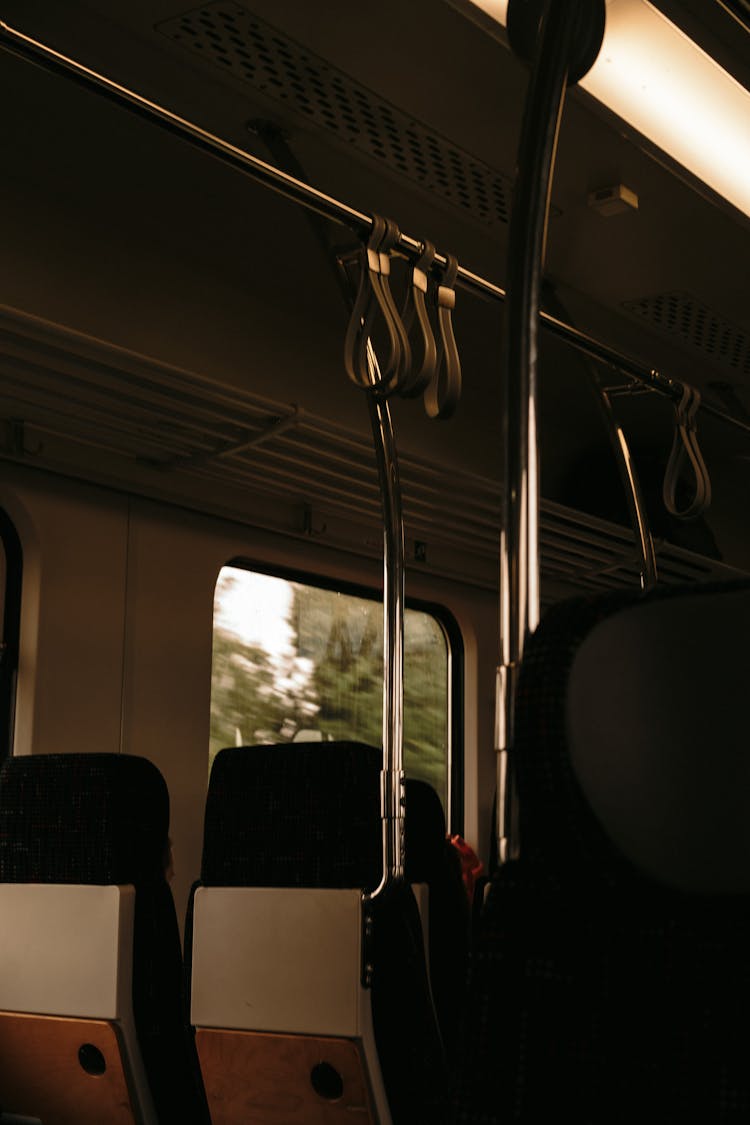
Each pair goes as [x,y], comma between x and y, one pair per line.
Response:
[101,413]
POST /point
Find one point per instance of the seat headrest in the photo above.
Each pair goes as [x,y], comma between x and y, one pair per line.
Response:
[82,818]
[294,815]
[656,719]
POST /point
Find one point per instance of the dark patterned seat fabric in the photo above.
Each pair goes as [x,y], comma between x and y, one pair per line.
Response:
[308,815]
[611,976]
[104,819]
[293,815]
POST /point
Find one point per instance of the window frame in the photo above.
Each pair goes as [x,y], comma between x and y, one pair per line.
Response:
[11,631]
[455,660]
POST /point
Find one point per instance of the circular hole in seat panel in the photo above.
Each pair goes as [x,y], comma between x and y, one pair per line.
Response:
[91,1059]
[327,1082]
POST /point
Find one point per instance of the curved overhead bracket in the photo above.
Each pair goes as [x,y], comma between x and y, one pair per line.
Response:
[620,447]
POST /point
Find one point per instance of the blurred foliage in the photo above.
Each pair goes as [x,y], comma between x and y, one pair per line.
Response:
[244,699]
[330,686]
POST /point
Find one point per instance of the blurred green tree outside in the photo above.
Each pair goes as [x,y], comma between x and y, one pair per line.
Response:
[329,684]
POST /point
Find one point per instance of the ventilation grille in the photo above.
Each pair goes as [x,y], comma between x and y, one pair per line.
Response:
[679,314]
[235,40]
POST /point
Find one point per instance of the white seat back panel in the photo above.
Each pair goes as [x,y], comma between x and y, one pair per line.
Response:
[65,949]
[277,959]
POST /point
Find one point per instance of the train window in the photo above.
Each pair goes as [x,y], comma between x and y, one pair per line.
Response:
[298,662]
[10,623]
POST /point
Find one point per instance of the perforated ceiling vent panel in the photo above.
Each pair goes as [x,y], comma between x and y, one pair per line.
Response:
[679,314]
[232,38]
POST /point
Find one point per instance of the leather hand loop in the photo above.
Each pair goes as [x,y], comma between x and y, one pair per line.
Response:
[443,392]
[415,305]
[374,301]
[400,370]
[685,445]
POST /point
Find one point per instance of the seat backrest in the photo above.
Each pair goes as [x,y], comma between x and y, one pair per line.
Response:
[83,843]
[612,963]
[300,824]
[298,814]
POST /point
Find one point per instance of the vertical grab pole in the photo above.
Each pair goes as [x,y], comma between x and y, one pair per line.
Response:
[553,34]
[392,777]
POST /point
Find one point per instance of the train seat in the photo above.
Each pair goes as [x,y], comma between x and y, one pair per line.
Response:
[91,1012]
[611,978]
[432,861]
[286,1028]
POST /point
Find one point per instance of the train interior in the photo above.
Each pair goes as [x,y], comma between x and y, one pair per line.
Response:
[173,399]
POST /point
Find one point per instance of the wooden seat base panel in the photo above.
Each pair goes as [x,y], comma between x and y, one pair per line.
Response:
[41,1076]
[254,1078]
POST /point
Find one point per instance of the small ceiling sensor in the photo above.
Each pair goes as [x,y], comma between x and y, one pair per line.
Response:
[613,200]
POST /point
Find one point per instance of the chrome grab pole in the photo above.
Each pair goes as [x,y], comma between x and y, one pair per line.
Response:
[555,38]
[392,777]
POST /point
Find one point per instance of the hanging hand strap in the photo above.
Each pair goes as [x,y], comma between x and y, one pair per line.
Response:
[399,375]
[442,394]
[685,445]
[369,264]
[373,302]
[415,306]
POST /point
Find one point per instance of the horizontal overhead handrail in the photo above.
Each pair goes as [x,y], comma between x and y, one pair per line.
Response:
[32,50]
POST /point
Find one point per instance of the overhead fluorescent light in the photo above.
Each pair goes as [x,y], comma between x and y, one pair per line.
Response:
[498,9]
[657,79]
